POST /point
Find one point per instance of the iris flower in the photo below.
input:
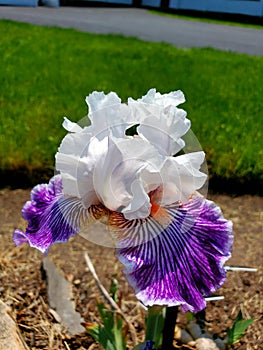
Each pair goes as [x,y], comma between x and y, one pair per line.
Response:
[122,170]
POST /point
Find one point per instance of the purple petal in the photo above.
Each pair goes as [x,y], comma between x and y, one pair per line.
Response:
[184,262]
[51,216]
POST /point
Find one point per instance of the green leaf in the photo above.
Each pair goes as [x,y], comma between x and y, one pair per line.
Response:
[111,335]
[93,330]
[102,336]
[238,330]
[119,334]
[154,324]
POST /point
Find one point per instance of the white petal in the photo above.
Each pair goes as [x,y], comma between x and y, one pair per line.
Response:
[75,160]
[76,178]
[139,206]
[117,176]
[160,121]
[76,143]
[70,126]
[98,101]
[180,178]
[173,98]
[109,180]
[108,115]
[165,132]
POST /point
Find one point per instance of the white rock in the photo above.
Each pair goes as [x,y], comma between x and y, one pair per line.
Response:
[206,344]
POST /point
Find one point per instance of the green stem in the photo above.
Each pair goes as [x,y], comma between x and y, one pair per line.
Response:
[168,329]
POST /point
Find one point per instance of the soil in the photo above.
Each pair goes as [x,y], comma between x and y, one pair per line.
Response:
[24,289]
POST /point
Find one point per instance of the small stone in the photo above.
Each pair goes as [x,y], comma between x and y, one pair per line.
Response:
[206,335]
[61,299]
[206,344]
[220,344]
[182,335]
[194,329]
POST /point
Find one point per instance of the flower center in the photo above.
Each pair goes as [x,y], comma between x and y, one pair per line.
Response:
[160,214]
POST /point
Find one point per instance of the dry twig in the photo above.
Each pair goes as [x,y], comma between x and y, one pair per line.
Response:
[109,298]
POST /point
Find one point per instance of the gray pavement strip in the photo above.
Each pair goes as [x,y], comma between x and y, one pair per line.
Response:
[142,24]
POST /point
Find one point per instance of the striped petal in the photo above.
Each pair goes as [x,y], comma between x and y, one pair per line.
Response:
[181,262]
[51,217]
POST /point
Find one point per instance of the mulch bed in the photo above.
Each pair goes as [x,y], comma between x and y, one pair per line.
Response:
[23,286]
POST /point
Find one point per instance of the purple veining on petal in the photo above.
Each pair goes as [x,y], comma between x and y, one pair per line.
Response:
[185,261]
[51,216]
[41,196]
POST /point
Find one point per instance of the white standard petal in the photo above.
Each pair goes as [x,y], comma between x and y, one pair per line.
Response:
[181,177]
[99,101]
[108,115]
[173,98]
[165,131]
[160,121]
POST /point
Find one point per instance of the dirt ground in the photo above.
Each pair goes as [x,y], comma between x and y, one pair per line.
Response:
[24,289]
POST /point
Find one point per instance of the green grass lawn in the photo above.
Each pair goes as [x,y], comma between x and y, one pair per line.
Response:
[45,74]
